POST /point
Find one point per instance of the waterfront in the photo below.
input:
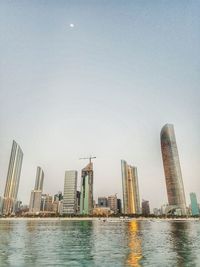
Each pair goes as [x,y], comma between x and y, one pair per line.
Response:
[98,243]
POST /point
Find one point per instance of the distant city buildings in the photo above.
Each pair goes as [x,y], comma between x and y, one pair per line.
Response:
[172,169]
[102,211]
[82,202]
[119,205]
[156,212]
[145,207]
[194,204]
[36,194]
[13,178]
[46,203]
[131,199]
[86,202]
[112,203]
[102,202]
[70,193]
[78,201]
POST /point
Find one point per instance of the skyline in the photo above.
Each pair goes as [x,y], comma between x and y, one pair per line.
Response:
[168,140]
[105,87]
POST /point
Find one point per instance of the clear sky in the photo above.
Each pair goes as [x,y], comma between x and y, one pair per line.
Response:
[104,87]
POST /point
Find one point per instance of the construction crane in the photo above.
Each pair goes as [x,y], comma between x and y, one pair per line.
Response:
[90,158]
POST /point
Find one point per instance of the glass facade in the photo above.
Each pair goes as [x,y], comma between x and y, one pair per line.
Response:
[172,169]
[86,203]
[194,204]
[39,179]
[70,193]
[12,181]
[131,199]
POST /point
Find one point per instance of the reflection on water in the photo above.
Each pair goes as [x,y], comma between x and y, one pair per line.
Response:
[182,244]
[134,244]
[96,243]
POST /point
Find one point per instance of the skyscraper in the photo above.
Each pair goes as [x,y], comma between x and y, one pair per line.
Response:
[172,169]
[70,193]
[194,204]
[36,194]
[12,181]
[86,204]
[39,179]
[131,199]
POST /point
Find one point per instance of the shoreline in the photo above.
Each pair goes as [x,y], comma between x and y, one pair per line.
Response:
[110,219]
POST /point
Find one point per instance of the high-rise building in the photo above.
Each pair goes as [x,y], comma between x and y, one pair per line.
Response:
[131,199]
[35,201]
[39,179]
[102,202]
[145,207]
[36,194]
[194,204]
[86,204]
[13,177]
[112,203]
[172,169]
[70,193]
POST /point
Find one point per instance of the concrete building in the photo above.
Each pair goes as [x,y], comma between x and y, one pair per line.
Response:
[194,204]
[131,199]
[35,201]
[13,178]
[112,203]
[70,193]
[36,194]
[172,169]
[86,203]
[46,203]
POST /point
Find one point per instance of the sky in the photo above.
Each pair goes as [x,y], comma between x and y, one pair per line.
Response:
[104,87]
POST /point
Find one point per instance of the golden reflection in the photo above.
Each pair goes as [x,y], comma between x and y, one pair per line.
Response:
[135,245]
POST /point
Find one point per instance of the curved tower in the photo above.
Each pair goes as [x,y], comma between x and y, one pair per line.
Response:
[172,169]
[13,177]
[39,179]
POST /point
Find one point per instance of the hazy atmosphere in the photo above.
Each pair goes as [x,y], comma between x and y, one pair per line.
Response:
[101,78]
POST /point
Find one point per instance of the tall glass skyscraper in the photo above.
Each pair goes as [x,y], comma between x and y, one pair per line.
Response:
[39,179]
[70,193]
[36,194]
[86,203]
[194,204]
[131,199]
[172,169]
[12,181]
